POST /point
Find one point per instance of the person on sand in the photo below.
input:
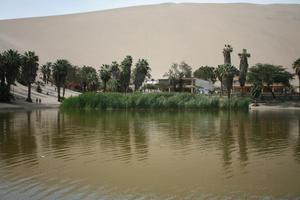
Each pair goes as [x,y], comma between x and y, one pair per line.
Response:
[40,101]
[36,100]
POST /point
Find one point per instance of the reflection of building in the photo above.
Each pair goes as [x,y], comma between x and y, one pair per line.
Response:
[188,84]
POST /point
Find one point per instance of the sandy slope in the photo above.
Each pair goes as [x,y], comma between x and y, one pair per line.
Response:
[163,34]
[48,97]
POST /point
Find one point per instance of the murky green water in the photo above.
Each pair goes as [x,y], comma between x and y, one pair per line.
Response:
[45,154]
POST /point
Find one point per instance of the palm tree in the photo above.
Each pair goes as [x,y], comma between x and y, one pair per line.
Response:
[140,73]
[268,74]
[125,73]
[46,71]
[11,62]
[105,75]
[30,66]
[296,67]
[88,78]
[226,73]
[2,72]
[59,74]
[115,70]
[219,74]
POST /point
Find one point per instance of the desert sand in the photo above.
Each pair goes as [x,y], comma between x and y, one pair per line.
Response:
[163,34]
[48,98]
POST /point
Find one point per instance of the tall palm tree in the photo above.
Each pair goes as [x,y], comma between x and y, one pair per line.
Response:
[11,62]
[46,71]
[29,70]
[105,75]
[59,74]
[2,72]
[89,79]
[125,74]
[140,73]
[296,67]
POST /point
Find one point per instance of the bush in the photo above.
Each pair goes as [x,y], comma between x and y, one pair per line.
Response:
[152,101]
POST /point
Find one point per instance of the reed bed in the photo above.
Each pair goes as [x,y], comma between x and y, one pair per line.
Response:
[105,101]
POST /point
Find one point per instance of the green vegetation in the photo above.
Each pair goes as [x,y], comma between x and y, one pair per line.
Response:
[267,74]
[29,70]
[122,78]
[125,75]
[226,73]
[88,79]
[140,73]
[46,71]
[296,67]
[177,73]
[206,73]
[152,101]
[60,71]
[10,63]
[105,75]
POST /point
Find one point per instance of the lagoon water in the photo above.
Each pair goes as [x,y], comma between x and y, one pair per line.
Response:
[48,154]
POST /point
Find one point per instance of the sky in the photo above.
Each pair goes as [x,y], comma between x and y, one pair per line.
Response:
[11,9]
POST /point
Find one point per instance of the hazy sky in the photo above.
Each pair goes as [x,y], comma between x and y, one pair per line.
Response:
[29,8]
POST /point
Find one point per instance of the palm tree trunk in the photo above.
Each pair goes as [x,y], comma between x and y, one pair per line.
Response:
[228,93]
[299,84]
[64,90]
[29,93]
[104,87]
[58,93]
[221,86]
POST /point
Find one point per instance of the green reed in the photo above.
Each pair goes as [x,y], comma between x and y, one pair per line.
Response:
[153,101]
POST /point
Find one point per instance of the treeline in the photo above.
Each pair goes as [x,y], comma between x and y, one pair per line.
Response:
[259,75]
[23,68]
[13,66]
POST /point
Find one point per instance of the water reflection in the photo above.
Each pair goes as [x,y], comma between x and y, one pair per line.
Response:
[216,146]
[128,133]
[297,148]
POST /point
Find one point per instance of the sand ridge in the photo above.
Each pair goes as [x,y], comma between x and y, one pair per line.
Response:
[163,34]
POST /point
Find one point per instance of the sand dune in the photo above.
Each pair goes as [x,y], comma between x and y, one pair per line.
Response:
[163,34]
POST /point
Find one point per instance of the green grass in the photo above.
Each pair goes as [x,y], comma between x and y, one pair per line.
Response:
[103,101]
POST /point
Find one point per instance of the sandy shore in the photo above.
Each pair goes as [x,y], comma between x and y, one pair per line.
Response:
[20,105]
[276,106]
[48,98]
[25,106]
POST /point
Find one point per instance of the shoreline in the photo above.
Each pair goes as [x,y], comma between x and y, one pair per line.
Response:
[18,106]
[291,106]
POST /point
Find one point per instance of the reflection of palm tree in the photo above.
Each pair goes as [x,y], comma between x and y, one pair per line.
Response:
[242,139]
[6,140]
[27,141]
[227,140]
[140,136]
[16,140]
[297,149]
